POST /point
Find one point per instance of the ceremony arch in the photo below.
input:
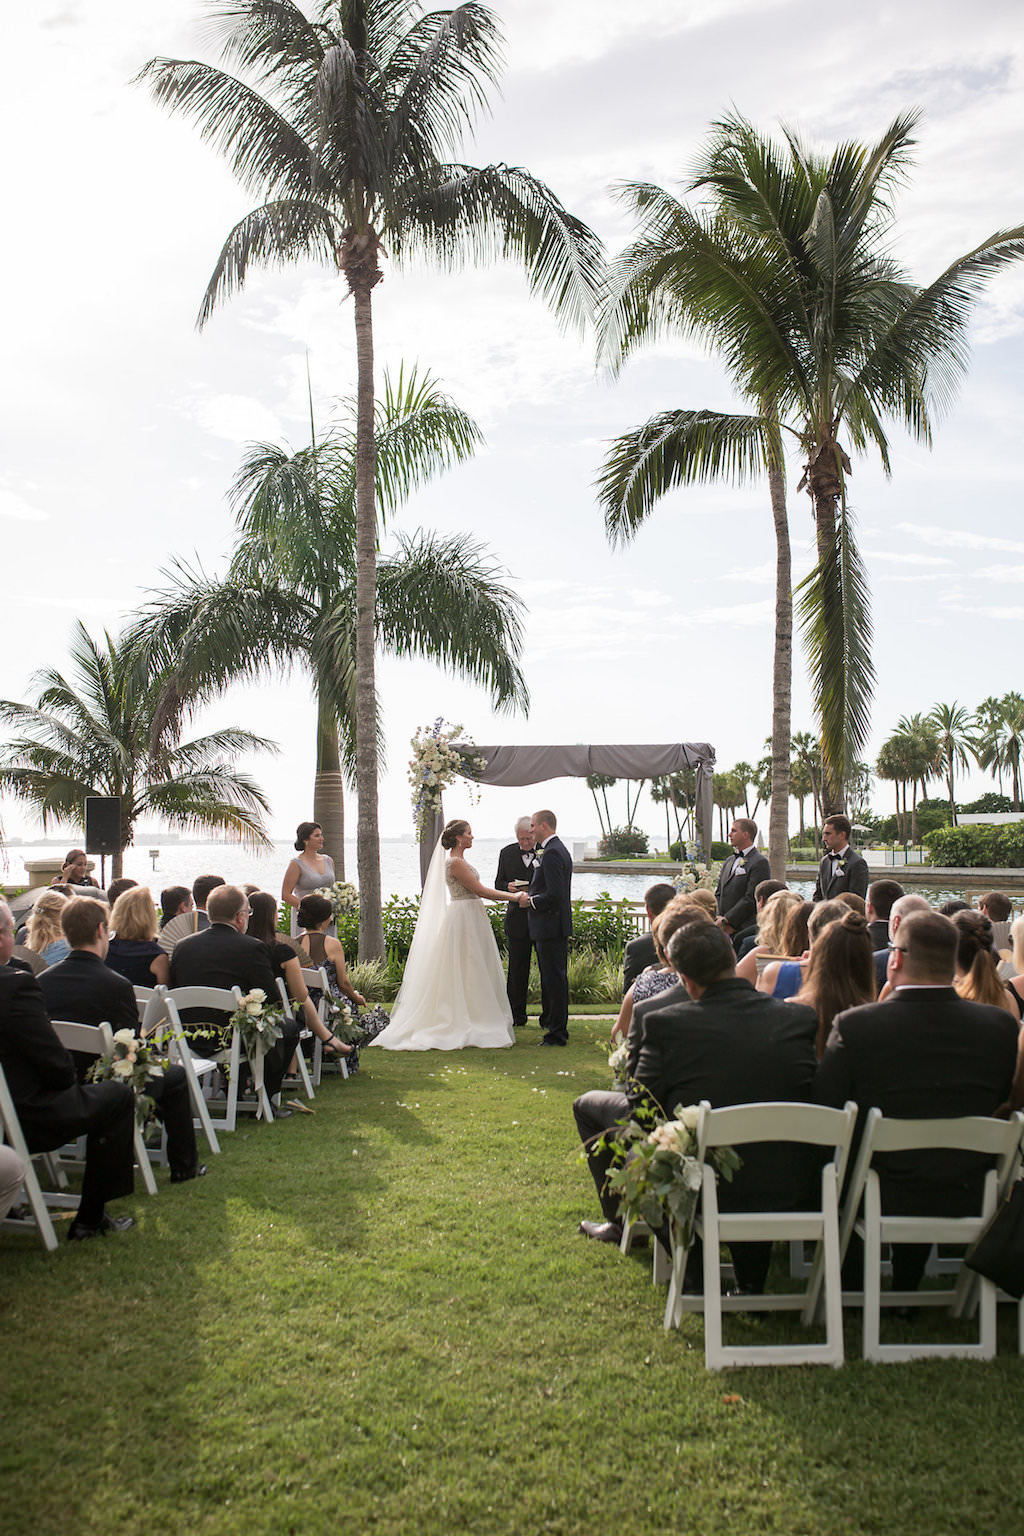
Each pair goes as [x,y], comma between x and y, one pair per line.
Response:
[516,766]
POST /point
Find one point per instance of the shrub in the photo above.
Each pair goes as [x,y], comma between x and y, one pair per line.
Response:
[607,925]
[594,978]
[970,847]
[987,804]
[623,843]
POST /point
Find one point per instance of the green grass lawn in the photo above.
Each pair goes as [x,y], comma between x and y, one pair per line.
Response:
[382,1319]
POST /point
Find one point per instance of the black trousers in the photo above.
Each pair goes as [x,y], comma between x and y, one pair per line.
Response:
[104,1113]
[519,952]
[174,1108]
[552,959]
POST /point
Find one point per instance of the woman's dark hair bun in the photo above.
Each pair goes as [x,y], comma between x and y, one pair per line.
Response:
[452,832]
[303,832]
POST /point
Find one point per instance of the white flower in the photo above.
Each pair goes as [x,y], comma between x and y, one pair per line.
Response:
[692,1175]
[122,1068]
[254,1009]
[125,1037]
[257,995]
[690,1116]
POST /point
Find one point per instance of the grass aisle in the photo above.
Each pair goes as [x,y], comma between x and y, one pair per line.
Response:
[381,1319]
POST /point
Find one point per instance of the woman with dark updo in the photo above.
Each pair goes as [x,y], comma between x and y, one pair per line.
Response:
[453,993]
[311,871]
[977,968]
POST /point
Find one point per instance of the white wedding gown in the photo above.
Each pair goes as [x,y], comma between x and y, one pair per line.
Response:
[453,992]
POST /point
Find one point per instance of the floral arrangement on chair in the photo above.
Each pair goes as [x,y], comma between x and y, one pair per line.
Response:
[342,896]
[134,1062]
[437,762]
[617,1062]
[259,1026]
[659,1177]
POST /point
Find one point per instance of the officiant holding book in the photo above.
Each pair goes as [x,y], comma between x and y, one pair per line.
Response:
[516,864]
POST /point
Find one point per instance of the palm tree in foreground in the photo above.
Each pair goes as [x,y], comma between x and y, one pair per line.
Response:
[289,596]
[108,731]
[786,273]
[350,147]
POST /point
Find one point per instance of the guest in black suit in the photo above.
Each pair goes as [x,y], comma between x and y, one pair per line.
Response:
[549,911]
[640,952]
[878,903]
[83,990]
[223,955]
[841,869]
[729,1045]
[923,1053]
[517,861]
[741,874]
[53,1107]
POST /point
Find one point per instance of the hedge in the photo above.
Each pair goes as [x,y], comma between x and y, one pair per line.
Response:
[992,847]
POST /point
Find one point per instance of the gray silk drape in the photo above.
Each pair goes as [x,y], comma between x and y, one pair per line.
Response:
[513,766]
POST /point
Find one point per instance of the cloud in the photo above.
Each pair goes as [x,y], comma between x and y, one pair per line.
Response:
[959,538]
[236,418]
[1001,573]
[12,504]
[895,559]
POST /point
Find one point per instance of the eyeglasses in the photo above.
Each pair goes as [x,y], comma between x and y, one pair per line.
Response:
[897,949]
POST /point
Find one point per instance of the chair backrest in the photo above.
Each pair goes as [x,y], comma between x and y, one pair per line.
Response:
[315,976]
[152,1005]
[86,1039]
[807,1124]
[286,1002]
[218,999]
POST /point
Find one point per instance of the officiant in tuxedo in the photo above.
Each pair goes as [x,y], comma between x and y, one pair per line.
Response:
[549,913]
[741,874]
[517,861]
[841,869]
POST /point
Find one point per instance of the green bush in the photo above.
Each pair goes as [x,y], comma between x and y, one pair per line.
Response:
[608,925]
[594,978]
[971,847]
[987,804]
[623,843]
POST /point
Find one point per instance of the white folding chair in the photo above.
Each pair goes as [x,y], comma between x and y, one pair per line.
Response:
[1000,1139]
[155,1012]
[219,1000]
[40,1203]
[304,1034]
[738,1126]
[316,978]
[98,1040]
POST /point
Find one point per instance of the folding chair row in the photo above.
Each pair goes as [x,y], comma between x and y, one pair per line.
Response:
[316,980]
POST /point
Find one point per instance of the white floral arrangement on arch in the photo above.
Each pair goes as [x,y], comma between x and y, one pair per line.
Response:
[436,763]
[695,875]
[342,896]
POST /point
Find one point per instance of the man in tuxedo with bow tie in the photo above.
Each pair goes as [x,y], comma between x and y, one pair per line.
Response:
[517,861]
[741,874]
[841,869]
[549,914]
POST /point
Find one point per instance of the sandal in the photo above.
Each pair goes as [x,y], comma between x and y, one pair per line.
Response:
[336,1047]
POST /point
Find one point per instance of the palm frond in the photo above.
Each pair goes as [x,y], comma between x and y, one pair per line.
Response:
[419,433]
[273,235]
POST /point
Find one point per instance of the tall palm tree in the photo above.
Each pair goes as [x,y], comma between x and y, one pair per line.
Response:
[918,741]
[106,730]
[289,595]
[786,272]
[1002,745]
[954,726]
[345,125]
[892,765]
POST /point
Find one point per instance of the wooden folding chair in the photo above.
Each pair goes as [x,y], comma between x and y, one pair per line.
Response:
[738,1126]
[154,1013]
[98,1040]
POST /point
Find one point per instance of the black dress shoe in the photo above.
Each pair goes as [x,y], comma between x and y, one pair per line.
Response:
[602,1231]
[80,1230]
[283,1114]
[553,1040]
[177,1177]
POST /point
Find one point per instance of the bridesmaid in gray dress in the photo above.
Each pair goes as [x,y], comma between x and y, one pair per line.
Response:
[312,870]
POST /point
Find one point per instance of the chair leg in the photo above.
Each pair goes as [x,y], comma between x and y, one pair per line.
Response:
[872,1268]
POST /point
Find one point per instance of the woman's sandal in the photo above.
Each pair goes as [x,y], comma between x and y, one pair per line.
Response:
[335,1047]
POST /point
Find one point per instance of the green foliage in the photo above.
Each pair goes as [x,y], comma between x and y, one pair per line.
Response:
[623,843]
[983,846]
[607,925]
[931,815]
[594,977]
[987,804]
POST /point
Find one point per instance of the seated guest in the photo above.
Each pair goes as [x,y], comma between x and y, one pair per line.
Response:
[784,978]
[191,921]
[76,870]
[133,951]
[771,922]
[659,977]
[45,937]
[730,1045]
[901,908]
[224,955]
[641,952]
[84,990]
[953,905]
[840,972]
[745,939]
[117,888]
[12,1177]
[314,917]
[853,901]
[995,905]
[925,1053]
[262,925]
[53,1107]
[1015,981]
[175,900]
[977,975]
[880,897]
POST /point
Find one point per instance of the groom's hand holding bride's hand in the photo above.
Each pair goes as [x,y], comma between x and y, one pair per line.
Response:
[524,900]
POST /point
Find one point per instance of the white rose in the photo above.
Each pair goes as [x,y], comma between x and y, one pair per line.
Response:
[254,1010]
[689,1116]
[125,1037]
[122,1068]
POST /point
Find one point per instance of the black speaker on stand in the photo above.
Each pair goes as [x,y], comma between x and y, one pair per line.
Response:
[102,829]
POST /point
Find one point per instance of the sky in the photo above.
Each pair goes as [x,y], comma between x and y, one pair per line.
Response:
[123,426]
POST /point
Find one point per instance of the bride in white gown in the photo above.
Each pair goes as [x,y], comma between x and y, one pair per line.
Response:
[453,992]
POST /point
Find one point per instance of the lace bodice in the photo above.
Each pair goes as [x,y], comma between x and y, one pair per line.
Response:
[456,890]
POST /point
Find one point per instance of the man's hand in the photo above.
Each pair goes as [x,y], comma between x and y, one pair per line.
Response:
[725,927]
[524,900]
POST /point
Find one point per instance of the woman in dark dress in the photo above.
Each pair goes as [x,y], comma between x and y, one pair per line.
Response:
[263,926]
[134,951]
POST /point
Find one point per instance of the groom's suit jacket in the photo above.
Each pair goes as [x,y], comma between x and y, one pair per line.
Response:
[853,876]
[741,874]
[511,866]
[550,910]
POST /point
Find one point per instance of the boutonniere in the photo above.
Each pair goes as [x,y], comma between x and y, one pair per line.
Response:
[739,868]
[841,863]
[538,855]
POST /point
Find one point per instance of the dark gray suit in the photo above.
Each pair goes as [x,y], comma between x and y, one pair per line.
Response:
[550,922]
[741,874]
[851,874]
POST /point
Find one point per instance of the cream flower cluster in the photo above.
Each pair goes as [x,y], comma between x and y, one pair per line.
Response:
[436,762]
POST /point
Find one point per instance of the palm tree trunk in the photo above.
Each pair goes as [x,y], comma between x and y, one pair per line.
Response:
[371,927]
[826,489]
[328,789]
[782,674]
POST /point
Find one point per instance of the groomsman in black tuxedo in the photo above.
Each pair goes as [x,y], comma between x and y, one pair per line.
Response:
[841,869]
[549,912]
[517,861]
[741,874]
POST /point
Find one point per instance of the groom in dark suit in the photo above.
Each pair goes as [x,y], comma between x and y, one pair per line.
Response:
[841,869]
[517,861]
[741,874]
[549,913]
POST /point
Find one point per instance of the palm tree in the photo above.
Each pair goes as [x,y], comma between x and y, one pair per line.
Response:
[808,752]
[349,148]
[603,782]
[955,728]
[800,786]
[289,596]
[1002,745]
[892,765]
[108,731]
[786,273]
[918,742]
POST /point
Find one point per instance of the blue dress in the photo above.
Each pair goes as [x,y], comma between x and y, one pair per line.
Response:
[789,980]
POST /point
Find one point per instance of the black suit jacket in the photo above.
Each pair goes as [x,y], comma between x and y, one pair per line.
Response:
[220,956]
[923,1053]
[852,877]
[639,954]
[35,1063]
[85,991]
[511,867]
[550,910]
[735,1046]
[741,874]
